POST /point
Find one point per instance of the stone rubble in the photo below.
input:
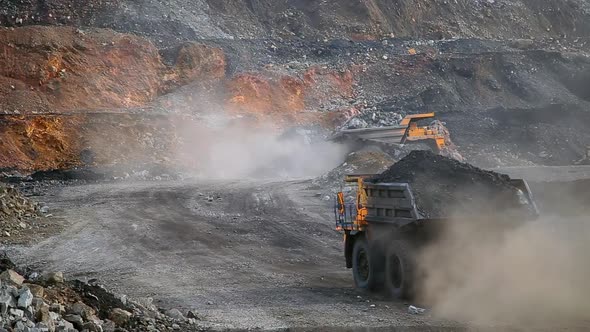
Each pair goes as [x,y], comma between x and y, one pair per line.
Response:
[19,216]
[14,206]
[52,304]
[372,118]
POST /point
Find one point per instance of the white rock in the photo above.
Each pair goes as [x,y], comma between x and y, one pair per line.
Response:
[416,310]
[25,299]
[17,313]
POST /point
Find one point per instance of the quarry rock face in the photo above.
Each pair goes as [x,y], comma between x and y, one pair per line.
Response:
[474,63]
[358,20]
[63,69]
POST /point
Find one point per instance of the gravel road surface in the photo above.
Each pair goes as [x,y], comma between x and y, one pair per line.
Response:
[242,254]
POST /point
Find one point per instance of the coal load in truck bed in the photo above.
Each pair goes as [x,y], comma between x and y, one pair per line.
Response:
[444,187]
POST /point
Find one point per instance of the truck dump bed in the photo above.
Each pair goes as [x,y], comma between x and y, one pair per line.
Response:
[395,203]
[407,131]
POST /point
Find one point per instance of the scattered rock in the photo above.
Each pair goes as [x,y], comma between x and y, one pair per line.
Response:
[25,299]
[36,290]
[91,327]
[371,118]
[37,303]
[11,277]
[176,314]
[416,310]
[74,319]
[119,316]
[54,277]
[57,308]
[43,314]
[7,301]
[108,325]
[64,326]
[82,310]
[17,313]
[192,314]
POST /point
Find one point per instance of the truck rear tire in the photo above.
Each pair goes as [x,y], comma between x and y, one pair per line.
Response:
[399,270]
[364,271]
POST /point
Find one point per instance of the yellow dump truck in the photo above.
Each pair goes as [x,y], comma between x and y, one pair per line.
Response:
[383,228]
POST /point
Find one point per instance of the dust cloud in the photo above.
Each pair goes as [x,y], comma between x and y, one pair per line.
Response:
[232,150]
[536,274]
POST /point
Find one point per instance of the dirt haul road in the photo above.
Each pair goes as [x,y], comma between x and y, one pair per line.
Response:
[242,254]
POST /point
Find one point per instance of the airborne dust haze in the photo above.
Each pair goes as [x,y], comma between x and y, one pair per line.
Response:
[533,275]
[231,150]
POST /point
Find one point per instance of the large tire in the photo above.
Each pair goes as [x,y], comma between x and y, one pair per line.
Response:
[364,267]
[400,270]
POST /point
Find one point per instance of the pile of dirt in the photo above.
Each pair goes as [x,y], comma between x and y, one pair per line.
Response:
[48,302]
[444,187]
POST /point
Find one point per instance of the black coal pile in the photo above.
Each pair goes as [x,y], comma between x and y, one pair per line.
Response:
[444,187]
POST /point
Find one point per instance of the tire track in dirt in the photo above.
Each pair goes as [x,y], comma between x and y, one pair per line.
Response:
[263,255]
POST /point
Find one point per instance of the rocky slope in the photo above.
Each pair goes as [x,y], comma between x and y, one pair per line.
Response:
[357,19]
[50,303]
[507,77]
[61,69]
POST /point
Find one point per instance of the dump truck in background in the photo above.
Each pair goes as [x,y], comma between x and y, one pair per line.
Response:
[389,221]
[407,131]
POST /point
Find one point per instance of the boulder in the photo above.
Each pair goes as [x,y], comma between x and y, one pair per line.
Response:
[146,302]
[43,315]
[43,327]
[193,314]
[17,313]
[108,326]
[19,326]
[74,319]
[119,316]
[64,326]
[82,310]
[11,277]
[58,308]
[175,313]
[38,303]
[36,290]
[54,315]
[13,290]
[29,312]
[55,277]
[91,327]
[25,299]
[7,301]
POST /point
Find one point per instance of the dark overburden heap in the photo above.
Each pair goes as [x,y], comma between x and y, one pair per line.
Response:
[444,187]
